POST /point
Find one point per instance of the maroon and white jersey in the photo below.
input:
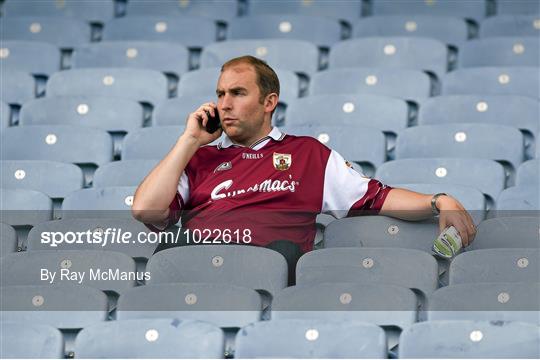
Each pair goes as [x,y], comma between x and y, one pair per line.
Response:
[275,188]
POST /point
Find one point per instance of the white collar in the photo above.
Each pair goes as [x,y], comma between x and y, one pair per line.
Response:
[275,134]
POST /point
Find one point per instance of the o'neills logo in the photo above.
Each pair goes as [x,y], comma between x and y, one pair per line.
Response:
[220,191]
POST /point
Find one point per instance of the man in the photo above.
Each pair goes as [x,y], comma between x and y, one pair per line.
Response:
[261,182]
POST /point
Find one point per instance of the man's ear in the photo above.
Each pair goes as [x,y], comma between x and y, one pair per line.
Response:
[270,102]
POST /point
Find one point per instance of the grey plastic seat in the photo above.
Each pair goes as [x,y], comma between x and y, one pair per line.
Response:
[222,305]
[500,51]
[496,265]
[166,57]
[527,174]
[393,266]
[510,25]
[297,339]
[493,81]
[361,144]
[346,10]
[213,9]
[518,7]
[446,171]
[405,84]
[27,340]
[22,207]
[470,340]
[517,111]
[505,143]
[150,143]
[163,29]
[62,306]
[475,10]
[321,31]
[383,305]
[525,198]
[89,10]
[122,173]
[261,269]
[5,115]
[96,227]
[391,52]
[486,301]
[17,87]
[508,232]
[55,179]
[38,58]
[147,338]
[449,30]
[109,202]
[142,85]
[174,112]
[8,242]
[293,55]
[66,33]
[111,114]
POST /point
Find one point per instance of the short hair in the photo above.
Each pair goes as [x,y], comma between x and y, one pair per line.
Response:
[267,79]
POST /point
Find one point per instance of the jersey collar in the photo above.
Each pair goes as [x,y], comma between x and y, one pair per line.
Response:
[274,134]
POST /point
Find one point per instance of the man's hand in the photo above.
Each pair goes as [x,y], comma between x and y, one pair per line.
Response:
[196,123]
[453,213]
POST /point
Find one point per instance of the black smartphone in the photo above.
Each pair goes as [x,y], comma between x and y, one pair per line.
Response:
[214,123]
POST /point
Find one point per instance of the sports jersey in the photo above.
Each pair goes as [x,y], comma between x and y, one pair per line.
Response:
[274,188]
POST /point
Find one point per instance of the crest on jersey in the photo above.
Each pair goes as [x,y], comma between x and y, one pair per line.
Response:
[223,166]
[282,162]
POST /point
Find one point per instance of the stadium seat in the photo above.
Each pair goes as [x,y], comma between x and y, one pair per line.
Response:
[8,243]
[524,198]
[213,9]
[89,10]
[5,115]
[150,143]
[493,81]
[110,202]
[361,144]
[110,114]
[346,10]
[527,174]
[261,269]
[166,57]
[391,52]
[55,179]
[518,7]
[142,85]
[219,304]
[508,232]
[21,207]
[150,338]
[17,87]
[510,25]
[475,10]
[383,305]
[496,265]
[486,302]
[411,85]
[470,340]
[384,113]
[98,229]
[66,33]
[321,31]
[30,56]
[298,339]
[26,340]
[403,267]
[449,30]
[174,112]
[293,55]
[466,140]
[204,82]
[446,171]
[122,173]
[164,29]
[500,51]
[517,111]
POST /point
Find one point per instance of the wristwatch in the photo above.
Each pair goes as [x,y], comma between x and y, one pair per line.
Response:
[434,209]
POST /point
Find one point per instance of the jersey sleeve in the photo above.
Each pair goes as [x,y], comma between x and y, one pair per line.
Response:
[348,192]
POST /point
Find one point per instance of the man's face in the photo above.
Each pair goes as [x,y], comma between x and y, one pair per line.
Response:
[239,106]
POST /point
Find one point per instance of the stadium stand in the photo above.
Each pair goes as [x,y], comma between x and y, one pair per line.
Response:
[37,58]
[223,10]
[88,10]
[297,339]
[21,207]
[5,115]
[518,7]
[500,51]
[522,198]
[122,173]
[150,143]
[17,87]
[528,173]
[510,25]
[174,112]
[110,202]
[508,232]
[9,242]
[27,340]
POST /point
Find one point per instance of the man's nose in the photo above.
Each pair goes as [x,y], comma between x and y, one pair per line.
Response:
[226,102]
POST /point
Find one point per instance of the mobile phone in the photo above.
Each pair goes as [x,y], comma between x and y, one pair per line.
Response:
[214,123]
